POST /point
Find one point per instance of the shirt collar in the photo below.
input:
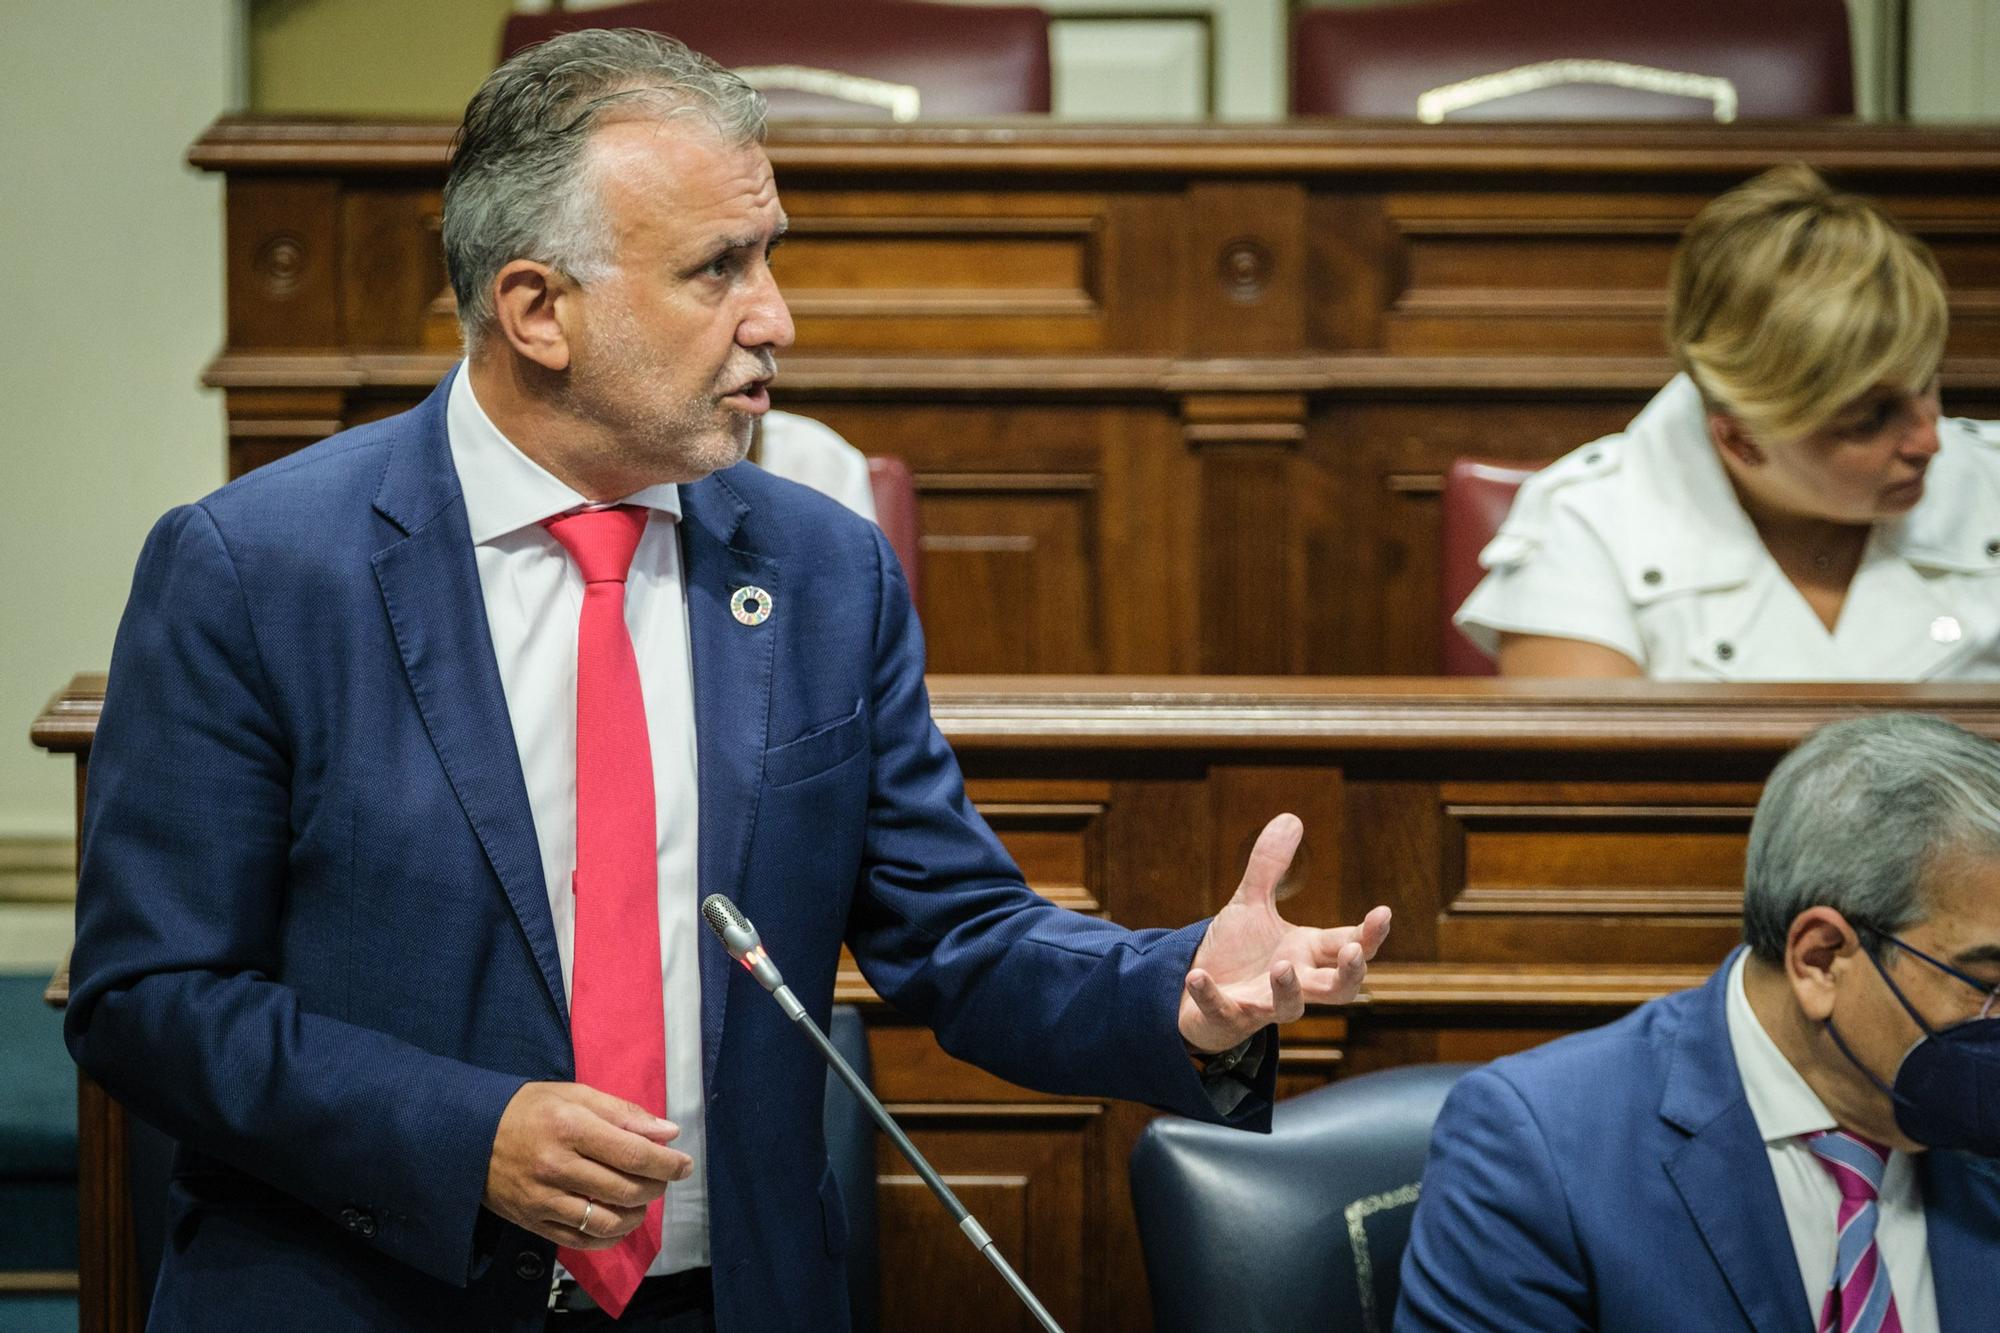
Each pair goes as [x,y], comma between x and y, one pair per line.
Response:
[1781,1101]
[1949,528]
[1958,519]
[1711,538]
[505,490]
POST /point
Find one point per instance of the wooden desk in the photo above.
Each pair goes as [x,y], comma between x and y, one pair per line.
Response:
[1552,859]
[1178,399]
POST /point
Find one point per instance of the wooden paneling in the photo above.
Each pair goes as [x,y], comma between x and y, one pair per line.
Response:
[1009,552]
[282,240]
[1551,859]
[1017,272]
[1177,397]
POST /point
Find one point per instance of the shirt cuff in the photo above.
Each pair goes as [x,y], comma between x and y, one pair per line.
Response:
[1229,1077]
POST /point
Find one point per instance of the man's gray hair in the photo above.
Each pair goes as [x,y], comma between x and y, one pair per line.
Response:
[1855,818]
[519,187]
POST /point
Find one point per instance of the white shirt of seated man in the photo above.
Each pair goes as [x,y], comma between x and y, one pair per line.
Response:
[803,450]
[1637,543]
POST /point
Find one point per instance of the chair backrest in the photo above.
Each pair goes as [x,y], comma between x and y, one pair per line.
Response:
[1575,60]
[1303,1227]
[1477,494]
[889,59]
[896,511]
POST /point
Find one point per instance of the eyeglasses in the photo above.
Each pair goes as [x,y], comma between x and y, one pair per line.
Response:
[1991,992]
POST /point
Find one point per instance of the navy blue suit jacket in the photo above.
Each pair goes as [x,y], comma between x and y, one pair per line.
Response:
[313,937]
[1616,1180]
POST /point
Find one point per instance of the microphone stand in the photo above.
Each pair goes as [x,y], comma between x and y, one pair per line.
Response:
[739,937]
[967,1223]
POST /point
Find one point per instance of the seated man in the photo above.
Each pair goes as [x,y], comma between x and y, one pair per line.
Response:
[1734,1157]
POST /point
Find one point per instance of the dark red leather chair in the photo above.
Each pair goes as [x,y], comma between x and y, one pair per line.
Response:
[896,511]
[1477,494]
[1575,60]
[889,59]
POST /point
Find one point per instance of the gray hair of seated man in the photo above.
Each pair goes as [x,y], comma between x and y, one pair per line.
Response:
[520,184]
[1856,816]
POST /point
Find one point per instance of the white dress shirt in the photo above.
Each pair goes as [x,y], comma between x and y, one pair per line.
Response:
[1786,1109]
[534,595]
[1638,542]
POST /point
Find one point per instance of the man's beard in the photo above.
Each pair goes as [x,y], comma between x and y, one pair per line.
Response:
[614,385]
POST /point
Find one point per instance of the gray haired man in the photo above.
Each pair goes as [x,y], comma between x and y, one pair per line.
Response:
[421,746]
[1755,1154]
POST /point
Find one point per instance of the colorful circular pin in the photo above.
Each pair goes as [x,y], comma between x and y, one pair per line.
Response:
[750,606]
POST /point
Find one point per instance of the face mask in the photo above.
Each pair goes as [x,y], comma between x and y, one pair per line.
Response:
[1947,1092]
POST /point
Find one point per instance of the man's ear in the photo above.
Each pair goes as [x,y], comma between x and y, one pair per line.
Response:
[1819,946]
[1730,437]
[531,309]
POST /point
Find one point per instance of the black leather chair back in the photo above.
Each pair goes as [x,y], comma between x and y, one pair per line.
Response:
[1301,1228]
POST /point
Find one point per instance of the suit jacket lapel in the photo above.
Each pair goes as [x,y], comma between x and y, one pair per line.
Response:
[732,707]
[1723,1173]
[1961,1219]
[430,588]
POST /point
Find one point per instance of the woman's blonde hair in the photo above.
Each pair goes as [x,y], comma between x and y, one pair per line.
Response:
[1787,300]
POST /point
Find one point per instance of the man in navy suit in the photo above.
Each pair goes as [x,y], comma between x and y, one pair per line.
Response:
[326,932]
[1730,1157]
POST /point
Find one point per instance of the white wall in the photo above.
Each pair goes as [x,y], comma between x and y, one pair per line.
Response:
[111,264]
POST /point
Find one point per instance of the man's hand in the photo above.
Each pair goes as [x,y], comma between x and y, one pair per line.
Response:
[565,1152]
[1255,968]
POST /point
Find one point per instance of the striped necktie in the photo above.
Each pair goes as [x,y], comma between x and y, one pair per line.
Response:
[1858,1300]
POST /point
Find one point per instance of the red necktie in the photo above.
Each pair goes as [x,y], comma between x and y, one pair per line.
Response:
[617,1019]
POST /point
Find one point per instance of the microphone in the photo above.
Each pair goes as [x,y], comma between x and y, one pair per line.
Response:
[740,938]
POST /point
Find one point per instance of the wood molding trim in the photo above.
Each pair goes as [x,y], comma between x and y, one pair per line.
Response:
[1378,714]
[1038,147]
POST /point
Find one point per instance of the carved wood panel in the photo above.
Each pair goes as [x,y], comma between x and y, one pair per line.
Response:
[1018,271]
[1010,555]
[1021,1171]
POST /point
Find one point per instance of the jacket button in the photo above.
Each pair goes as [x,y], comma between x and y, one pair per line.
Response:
[364,1226]
[1725,650]
[351,1218]
[529,1266]
[1651,576]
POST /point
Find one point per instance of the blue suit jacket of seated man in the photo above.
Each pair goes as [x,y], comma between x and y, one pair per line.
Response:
[1616,1180]
[314,941]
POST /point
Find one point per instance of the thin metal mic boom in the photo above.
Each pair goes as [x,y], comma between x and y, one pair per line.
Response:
[740,938]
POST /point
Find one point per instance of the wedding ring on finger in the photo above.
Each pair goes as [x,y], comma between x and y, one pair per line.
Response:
[584,1225]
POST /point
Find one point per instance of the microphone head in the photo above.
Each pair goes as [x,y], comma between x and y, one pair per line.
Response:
[730,925]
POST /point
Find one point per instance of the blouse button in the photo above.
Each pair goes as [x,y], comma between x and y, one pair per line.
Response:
[1725,650]
[1651,576]
[1993,547]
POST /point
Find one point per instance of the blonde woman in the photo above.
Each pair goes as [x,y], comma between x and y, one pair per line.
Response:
[1791,506]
